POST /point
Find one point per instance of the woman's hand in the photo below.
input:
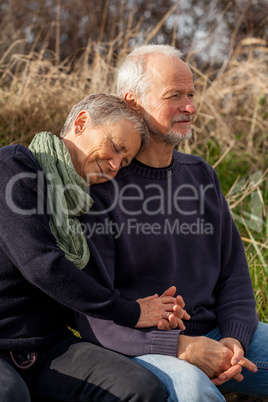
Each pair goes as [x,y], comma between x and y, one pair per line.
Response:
[177,315]
[166,312]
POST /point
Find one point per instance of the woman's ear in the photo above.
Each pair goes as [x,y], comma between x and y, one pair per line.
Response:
[81,121]
[132,101]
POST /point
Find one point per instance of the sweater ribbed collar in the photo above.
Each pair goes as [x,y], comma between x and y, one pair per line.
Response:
[155,173]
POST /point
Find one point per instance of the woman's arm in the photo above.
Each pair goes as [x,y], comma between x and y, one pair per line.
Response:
[28,242]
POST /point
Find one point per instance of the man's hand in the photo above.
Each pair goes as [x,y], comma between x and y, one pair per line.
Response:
[155,309]
[220,361]
[238,361]
[210,356]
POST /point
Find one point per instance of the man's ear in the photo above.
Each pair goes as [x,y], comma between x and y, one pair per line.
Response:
[82,119]
[132,101]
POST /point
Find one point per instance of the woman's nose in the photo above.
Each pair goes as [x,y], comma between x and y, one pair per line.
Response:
[114,164]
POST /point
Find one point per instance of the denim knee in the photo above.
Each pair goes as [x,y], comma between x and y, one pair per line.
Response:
[183,381]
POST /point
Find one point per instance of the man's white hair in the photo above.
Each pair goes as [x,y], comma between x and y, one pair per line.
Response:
[132,73]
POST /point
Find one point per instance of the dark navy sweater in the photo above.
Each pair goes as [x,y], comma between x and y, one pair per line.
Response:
[153,228]
[38,285]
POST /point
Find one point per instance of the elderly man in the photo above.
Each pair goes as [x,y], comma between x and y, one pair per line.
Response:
[164,221]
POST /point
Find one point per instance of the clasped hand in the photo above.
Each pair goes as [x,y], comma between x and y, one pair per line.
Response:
[219,360]
[238,361]
[166,312]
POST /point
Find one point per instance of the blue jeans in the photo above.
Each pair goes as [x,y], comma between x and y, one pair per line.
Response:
[78,371]
[185,382]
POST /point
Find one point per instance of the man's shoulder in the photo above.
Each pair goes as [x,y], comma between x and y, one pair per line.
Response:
[190,162]
[122,174]
[110,185]
[188,159]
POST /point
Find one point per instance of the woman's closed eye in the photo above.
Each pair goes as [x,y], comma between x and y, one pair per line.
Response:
[115,147]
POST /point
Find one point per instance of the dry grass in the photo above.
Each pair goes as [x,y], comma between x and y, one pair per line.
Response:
[232,101]
[37,91]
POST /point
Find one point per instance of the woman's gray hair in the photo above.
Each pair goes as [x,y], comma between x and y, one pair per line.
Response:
[132,72]
[106,109]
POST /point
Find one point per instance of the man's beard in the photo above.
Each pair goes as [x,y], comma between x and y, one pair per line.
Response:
[172,137]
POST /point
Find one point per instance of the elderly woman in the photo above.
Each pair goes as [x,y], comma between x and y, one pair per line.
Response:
[42,255]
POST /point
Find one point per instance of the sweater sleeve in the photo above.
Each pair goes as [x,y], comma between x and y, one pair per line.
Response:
[28,242]
[107,333]
[128,341]
[236,306]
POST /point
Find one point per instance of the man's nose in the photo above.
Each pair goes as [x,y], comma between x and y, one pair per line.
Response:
[187,106]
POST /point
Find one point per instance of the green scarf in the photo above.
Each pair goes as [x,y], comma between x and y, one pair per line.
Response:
[67,197]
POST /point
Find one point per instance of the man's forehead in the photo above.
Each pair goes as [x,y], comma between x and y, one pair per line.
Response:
[171,77]
[159,65]
[162,58]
